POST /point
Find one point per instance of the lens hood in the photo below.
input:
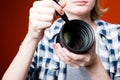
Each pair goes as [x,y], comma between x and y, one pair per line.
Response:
[76,35]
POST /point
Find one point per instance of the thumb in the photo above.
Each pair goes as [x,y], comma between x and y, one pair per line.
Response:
[59,6]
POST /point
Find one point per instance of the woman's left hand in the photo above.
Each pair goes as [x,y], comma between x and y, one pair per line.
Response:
[76,60]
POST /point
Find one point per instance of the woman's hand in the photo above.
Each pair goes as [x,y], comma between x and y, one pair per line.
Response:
[42,15]
[76,60]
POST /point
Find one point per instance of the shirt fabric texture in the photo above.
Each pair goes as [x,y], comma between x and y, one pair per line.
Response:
[47,66]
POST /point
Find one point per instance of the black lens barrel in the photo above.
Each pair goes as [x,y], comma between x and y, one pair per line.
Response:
[77,36]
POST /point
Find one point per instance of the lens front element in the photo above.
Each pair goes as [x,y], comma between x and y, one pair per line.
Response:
[77,36]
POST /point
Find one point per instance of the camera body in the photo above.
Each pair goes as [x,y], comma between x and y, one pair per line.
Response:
[77,36]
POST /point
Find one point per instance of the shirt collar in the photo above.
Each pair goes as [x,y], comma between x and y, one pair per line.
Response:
[55,28]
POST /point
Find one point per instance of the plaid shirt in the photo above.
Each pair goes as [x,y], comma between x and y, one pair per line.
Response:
[47,66]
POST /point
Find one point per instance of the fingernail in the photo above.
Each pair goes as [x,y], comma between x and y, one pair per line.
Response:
[54,45]
[62,12]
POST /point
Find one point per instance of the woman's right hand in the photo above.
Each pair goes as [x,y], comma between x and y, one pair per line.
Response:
[42,15]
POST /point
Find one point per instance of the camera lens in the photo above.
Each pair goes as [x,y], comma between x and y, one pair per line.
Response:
[77,36]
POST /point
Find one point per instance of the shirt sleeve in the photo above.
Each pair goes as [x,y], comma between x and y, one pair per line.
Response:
[114,56]
[109,48]
[32,72]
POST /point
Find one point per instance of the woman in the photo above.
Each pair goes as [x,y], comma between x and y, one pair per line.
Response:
[51,61]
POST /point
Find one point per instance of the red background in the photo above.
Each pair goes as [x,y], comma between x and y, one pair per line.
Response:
[14,23]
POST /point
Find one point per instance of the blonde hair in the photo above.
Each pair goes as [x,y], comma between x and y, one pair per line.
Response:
[97,11]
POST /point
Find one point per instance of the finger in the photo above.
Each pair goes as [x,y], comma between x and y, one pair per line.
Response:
[43,3]
[69,61]
[45,10]
[58,51]
[42,17]
[67,58]
[73,56]
[36,24]
[43,7]
[61,54]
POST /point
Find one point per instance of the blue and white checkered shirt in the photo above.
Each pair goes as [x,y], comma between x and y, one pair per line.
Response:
[47,66]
